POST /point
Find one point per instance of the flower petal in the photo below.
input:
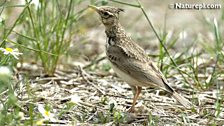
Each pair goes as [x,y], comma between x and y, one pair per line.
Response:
[41,109]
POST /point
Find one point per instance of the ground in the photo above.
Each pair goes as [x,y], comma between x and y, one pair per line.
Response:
[103,99]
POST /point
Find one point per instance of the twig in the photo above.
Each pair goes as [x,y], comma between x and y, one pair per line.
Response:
[94,62]
[83,74]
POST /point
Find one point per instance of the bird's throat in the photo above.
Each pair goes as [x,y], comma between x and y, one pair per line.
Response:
[113,30]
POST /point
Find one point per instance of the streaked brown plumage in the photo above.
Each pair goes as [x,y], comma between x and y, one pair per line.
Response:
[129,60]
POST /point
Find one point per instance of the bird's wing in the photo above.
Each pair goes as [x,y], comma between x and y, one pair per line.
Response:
[143,71]
[132,49]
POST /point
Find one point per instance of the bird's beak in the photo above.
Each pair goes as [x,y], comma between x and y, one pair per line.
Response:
[94,7]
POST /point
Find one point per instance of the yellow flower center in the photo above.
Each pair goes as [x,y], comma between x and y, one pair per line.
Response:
[47,113]
[40,122]
[9,49]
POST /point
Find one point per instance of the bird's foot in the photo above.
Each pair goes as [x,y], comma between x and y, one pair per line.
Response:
[131,110]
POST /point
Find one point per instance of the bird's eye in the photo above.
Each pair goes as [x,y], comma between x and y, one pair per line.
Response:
[106,14]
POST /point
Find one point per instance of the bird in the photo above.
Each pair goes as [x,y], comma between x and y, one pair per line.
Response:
[129,61]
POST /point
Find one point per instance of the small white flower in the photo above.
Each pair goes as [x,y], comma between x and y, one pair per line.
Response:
[46,114]
[5,74]
[5,71]
[9,51]
[21,115]
[75,99]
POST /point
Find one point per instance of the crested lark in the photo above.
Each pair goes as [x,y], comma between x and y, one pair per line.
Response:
[129,60]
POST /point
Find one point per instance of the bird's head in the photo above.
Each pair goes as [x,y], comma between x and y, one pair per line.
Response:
[109,15]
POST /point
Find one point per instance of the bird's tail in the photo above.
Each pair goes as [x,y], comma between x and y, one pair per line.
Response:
[182,100]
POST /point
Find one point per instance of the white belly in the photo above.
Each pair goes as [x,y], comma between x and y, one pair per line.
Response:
[127,78]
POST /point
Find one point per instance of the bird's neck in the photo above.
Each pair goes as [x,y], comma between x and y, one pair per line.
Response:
[114,30]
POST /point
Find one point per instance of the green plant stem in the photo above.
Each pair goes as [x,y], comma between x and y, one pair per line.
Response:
[218,49]
[35,32]
[161,42]
[13,26]
[63,32]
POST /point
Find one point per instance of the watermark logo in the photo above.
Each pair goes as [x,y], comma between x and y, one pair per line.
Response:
[195,6]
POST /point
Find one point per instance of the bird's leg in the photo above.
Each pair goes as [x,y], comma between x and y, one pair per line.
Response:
[136,90]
